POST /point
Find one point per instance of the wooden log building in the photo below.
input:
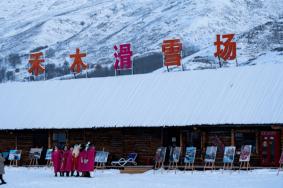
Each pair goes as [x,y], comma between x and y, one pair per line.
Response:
[139,113]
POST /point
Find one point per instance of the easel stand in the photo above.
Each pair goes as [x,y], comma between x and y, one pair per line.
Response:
[227,166]
[173,166]
[209,165]
[13,163]
[245,165]
[159,165]
[280,168]
[33,162]
[189,166]
[100,166]
[49,163]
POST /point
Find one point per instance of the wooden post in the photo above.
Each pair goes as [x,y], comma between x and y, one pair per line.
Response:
[232,137]
[257,141]
[67,137]
[16,141]
[162,135]
[219,61]
[49,139]
[237,62]
[84,136]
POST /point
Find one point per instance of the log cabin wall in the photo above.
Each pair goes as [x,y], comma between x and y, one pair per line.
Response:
[24,143]
[220,138]
[120,141]
[201,137]
[281,141]
[7,140]
[144,141]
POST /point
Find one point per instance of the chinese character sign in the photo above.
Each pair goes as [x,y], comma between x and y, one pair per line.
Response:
[172,52]
[78,64]
[228,51]
[123,56]
[35,61]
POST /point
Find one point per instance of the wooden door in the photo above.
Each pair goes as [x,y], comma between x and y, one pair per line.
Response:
[269,148]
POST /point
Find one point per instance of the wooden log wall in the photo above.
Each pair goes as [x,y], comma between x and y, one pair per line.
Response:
[7,140]
[24,143]
[219,138]
[144,141]
[120,141]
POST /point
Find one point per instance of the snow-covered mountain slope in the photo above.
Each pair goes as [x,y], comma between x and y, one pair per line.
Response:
[57,27]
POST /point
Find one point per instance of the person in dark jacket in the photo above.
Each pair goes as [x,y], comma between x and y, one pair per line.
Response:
[2,170]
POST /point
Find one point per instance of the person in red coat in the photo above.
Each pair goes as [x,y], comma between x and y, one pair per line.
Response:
[90,159]
[56,158]
[82,160]
[66,166]
[91,155]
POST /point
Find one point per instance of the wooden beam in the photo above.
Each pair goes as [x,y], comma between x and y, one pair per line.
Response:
[232,137]
[181,139]
[203,139]
[162,136]
[257,142]
[16,140]
[49,139]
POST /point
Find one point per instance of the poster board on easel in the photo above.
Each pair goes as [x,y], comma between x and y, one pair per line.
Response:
[34,155]
[189,159]
[101,159]
[280,164]
[160,158]
[48,157]
[14,157]
[245,157]
[210,156]
[174,157]
[228,158]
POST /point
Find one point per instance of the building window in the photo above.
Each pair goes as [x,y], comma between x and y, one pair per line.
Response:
[245,138]
[59,139]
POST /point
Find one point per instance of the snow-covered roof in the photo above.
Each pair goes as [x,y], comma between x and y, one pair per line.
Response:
[242,95]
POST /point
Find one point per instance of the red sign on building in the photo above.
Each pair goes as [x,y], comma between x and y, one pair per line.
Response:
[172,52]
[123,56]
[35,61]
[78,63]
[228,51]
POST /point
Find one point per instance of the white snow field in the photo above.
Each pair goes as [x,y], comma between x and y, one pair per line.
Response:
[43,178]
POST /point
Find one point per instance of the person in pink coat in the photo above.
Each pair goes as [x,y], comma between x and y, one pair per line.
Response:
[90,155]
[56,158]
[66,166]
[82,160]
[90,160]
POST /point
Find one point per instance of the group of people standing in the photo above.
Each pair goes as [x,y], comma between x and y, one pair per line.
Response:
[78,159]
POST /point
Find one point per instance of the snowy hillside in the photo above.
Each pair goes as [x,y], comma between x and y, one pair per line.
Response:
[57,27]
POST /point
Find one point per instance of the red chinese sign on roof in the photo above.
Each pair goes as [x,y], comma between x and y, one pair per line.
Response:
[35,61]
[78,64]
[172,52]
[228,52]
[123,56]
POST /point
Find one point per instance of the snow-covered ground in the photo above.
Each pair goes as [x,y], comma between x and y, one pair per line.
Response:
[43,178]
